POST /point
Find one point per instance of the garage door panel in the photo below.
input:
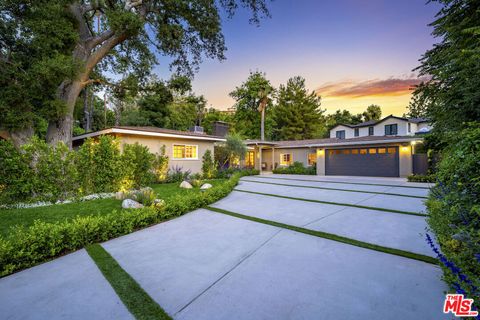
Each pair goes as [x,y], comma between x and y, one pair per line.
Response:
[363,162]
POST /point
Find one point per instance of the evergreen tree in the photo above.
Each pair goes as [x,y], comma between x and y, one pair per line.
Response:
[298,114]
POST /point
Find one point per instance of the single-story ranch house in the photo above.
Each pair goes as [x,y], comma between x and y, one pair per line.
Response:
[384,148]
[185,149]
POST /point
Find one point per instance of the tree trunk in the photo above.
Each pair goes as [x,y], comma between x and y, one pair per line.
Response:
[61,129]
[262,127]
[21,136]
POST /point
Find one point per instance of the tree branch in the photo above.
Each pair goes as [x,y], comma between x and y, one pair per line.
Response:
[99,39]
[101,52]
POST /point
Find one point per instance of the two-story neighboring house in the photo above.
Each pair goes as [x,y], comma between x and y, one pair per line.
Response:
[388,126]
[382,148]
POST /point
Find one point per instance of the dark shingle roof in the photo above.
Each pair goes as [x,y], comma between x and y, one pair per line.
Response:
[304,143]
[374,122]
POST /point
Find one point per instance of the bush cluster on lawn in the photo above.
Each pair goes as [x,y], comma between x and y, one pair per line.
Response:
[296,168]
[40,172]
[454,213]
[431,178]
[25,247]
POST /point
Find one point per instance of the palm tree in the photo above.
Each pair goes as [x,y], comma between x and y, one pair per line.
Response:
[263,95]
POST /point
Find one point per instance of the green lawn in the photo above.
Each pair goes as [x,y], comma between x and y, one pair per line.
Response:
[54,213]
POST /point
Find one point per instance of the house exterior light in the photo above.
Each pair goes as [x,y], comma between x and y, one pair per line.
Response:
[320,152]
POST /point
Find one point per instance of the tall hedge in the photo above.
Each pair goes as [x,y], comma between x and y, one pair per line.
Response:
[454,212]
[41,172]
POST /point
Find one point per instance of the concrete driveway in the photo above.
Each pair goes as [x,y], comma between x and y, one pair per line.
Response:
[207,265]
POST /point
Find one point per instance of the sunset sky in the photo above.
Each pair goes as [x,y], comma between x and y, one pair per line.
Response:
[353,53]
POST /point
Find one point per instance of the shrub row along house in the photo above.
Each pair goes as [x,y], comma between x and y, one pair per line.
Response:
[185,149]
[384,148]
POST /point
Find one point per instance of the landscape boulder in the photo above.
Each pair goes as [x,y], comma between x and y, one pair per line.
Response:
[206,186]
[131,204]
[186,185]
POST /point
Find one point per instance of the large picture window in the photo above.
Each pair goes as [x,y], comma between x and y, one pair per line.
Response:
[184,151]
[285,159]
[312,159]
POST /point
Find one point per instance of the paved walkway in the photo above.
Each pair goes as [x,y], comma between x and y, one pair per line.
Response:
[207,265]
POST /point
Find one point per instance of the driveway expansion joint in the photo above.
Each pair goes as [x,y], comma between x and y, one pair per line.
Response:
[335,203]
[338,189]
[331,236]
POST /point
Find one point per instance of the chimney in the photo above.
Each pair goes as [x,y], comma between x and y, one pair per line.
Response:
[220,128]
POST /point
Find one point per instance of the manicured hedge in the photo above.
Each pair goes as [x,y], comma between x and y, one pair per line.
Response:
[430,178]
[26,247]
[296,168]
[454,213]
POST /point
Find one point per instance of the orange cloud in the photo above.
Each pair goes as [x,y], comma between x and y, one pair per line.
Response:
[368,88]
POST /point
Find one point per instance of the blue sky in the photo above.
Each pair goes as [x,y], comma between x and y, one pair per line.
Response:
[352,52]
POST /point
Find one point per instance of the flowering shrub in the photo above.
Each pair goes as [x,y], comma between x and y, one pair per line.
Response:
[454,213]
[25,247]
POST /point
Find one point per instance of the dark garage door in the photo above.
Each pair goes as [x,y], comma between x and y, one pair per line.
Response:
[375,162]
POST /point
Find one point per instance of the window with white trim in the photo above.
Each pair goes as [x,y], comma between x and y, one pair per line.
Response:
[286,159]
[185,151]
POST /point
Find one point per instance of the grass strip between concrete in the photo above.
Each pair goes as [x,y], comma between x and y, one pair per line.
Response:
[336,203]
[137,301]
[333,237]
[356,183]
[336,189]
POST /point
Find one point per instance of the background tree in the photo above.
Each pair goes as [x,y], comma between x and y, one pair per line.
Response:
[248,95]
[297,114]
[373,112]
[451,97]
[421,101]
[91,37]
[341,117]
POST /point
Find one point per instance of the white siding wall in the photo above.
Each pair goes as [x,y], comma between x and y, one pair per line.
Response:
[402,127]
[379,129]
[348,132]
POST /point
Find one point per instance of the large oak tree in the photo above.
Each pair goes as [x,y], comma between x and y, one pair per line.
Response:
[50,50]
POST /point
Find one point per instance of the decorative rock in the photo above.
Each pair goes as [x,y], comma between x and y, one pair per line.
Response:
[131,204]
[120,195]
[206,186]
[186,185]
[158,203]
